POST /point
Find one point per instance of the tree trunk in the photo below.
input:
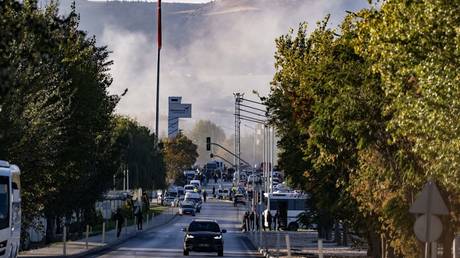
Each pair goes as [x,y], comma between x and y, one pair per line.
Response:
[337,235]
[50,229]
[374,242]
[345,234]
[383,248]
[446,242]
[79,222]
[329,233]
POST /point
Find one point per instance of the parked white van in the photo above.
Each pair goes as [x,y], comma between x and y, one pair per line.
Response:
[197,184]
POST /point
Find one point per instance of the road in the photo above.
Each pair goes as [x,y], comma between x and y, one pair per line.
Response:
[167,241]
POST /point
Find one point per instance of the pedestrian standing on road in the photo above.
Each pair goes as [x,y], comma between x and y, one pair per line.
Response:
[145,202]
[119,217]
[214,191]
[215,178]
[276,219]
[269,220]
[139,218]
[263,221]
[204,195]
[251,219]
[246,221]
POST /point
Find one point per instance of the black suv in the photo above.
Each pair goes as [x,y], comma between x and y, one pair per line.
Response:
[204,236]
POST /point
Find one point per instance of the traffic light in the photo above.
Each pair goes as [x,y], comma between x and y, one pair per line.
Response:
[211,155]
[208,143]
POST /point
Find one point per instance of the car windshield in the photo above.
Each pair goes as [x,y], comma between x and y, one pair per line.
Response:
[188,206]
[203,226]
[193,199]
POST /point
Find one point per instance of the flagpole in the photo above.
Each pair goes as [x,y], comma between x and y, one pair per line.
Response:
[159,38]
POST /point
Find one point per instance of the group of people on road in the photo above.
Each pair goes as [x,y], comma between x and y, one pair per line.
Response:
[224,177]
[138,208]
[270,222]
[250,221]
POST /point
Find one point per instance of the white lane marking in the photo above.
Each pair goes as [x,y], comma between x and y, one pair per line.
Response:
[139,249]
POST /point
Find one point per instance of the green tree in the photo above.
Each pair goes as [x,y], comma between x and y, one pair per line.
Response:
[414,47]
[180,153]
[372,108]
[136,148]
[55,117]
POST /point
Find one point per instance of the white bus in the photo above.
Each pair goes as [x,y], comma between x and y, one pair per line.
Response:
[10,209]
[289,205]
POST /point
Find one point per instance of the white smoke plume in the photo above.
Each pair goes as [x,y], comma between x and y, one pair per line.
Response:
[209,51]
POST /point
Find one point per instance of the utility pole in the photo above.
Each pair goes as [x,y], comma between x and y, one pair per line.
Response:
[238,100]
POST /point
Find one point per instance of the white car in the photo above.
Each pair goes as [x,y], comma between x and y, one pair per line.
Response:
[169,200]
[187,208]
[194,197]
[223,194]
[253,178]
[189,188]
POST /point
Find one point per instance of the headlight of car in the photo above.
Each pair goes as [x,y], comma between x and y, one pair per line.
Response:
[190,236]
[218,237]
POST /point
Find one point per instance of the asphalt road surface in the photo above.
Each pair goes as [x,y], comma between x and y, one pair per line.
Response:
[167,241]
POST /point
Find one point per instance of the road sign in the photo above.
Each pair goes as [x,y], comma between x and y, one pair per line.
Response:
[180,110]
[430,194]
[420,228]
[428,228]
[106,210]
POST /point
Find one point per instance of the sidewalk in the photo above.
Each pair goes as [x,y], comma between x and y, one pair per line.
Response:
[78,248]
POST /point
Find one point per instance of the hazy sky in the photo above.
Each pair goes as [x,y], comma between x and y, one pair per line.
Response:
[228,50]
[171,1]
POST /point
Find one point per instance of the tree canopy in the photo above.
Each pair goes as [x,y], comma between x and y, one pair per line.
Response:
[180,154]
[371,111]
[57,118]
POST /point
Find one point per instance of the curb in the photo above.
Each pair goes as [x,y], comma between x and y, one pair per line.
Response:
[263,252]
[101,248]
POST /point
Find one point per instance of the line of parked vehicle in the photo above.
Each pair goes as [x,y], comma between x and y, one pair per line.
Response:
[188,198]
